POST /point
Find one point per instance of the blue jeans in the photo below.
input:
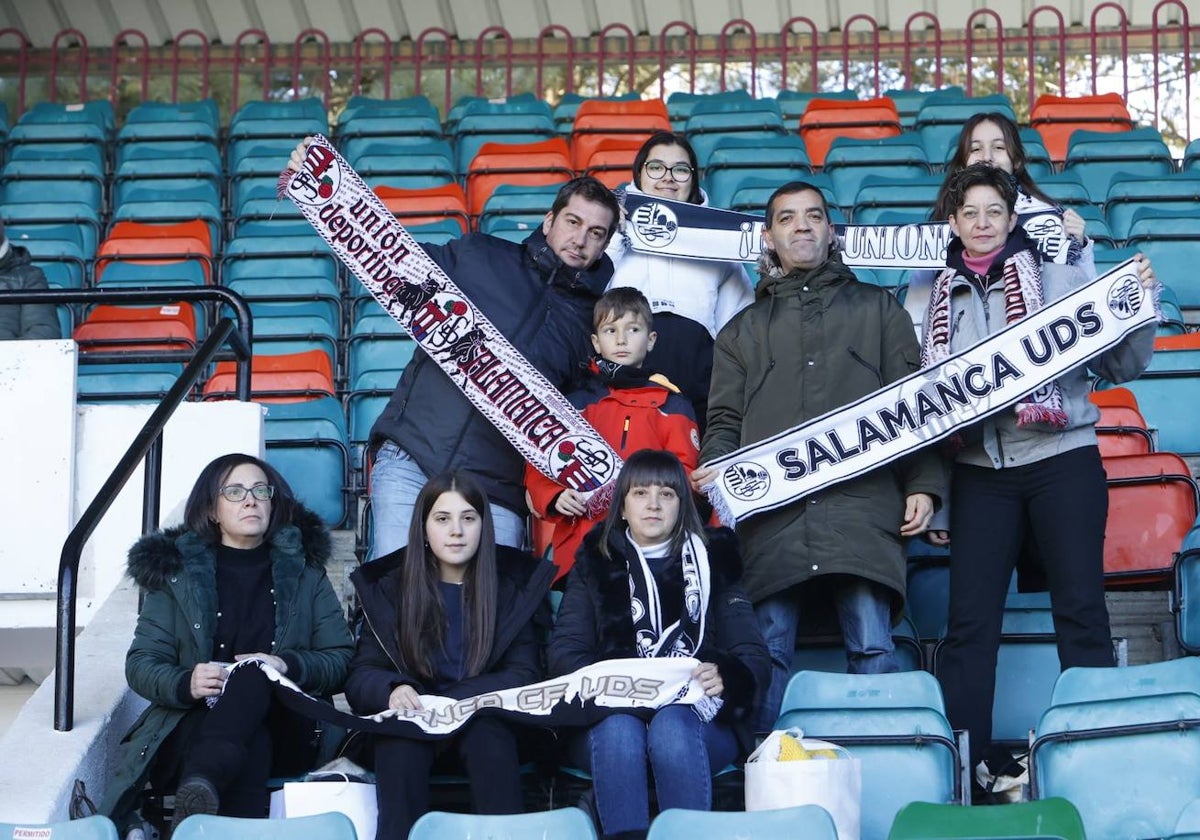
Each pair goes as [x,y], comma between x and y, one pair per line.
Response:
[864,610]
[683,752]
[395,482]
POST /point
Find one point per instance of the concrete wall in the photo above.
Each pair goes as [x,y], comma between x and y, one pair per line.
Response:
[54,457]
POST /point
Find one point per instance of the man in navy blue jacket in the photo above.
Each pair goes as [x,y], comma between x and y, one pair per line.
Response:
[539,294]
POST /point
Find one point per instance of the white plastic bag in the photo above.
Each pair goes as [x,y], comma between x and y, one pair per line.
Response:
[305,799]
[834,784]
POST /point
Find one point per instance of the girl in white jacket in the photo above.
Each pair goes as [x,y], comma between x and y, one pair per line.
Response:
[691,299]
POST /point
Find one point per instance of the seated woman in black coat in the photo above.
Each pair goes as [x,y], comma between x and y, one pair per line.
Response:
[650,581]
[450,614]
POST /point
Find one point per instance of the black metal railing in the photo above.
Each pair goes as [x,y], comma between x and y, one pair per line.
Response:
[147,444]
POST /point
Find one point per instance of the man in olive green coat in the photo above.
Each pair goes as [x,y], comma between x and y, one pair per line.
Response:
[814,340]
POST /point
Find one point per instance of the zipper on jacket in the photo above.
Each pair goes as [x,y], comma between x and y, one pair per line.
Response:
[866,364]
[382,646]
[761,382]
[625,432]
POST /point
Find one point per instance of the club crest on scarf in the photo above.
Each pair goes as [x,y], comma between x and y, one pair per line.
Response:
[1125,296]
[655,224]
[746,480]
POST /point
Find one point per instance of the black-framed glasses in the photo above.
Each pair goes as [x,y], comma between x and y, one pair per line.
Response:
[236,492]
[656,169]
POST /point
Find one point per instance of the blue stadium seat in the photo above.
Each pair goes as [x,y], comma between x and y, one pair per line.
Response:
[1171,240]
[940,120]
[680,104]
[499,122]
[895,724]
[879,194]
[307,442]
[782,159]
[69,180]
[851,160]
[331,826]
[713,121]
[812,822]
[520,203]
[1143,720]
[1179,193]
[1100,156]
[133,382]
[560,824]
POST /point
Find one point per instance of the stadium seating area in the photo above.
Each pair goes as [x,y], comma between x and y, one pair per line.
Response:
[174,198]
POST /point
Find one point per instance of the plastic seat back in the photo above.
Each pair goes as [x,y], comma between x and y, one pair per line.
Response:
[1152,501]
[330,826]
[596,120]
[288,377]
[827,119]
[423,206]
[559,824]
[812,822]
[170,326]
[1057,117]
[1053,817]
[545,162]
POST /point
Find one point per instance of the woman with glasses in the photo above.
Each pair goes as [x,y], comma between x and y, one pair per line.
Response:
[691,299]
[243,577]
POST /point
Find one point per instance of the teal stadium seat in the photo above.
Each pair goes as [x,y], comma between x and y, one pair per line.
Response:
[680,104]
[1099,156]
[527,204]
[1191,156]
[811,822]
[1171,240]
[68,180]
[828,653]
[851,160]
[1188,824]
[87,828]
[559,824]
[134,382]
[405,166]
[1187,591]
[307,442]
[1179,193]
[909,101]
[507,121]
[1122,744]
[712,121]
[879,194]
[895,724]
[734,158]
[331,826]
[940,120]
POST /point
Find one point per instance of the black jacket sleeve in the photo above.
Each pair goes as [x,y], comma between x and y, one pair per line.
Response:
[574,642]
[373,676]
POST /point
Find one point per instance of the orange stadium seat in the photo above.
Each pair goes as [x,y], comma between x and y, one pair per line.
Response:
[612,160]
[1056,117]
[545,162]
[827,119]
[1151,505]
[161,244]
[1121,430]
[170,326]
[1114,396]
[427,205]
[288,377]
[599,119]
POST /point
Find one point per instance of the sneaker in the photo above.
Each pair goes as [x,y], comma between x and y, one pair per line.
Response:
[195,795]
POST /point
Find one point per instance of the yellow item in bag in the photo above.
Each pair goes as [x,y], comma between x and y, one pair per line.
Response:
[790,749]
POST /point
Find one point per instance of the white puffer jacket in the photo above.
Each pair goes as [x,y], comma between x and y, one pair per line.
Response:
[706,291]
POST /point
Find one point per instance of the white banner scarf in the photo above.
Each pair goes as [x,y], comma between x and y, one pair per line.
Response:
[928,405]
[580,698]
[510,392]
[678,229]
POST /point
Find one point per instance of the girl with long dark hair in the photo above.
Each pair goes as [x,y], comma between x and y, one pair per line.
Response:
[450,614]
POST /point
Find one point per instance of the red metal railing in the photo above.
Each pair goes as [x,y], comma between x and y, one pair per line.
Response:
[981,55]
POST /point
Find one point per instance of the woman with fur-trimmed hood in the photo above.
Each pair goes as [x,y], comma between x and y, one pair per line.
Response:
[243,577]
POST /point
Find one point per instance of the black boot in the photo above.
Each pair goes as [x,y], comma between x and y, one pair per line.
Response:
[195,795]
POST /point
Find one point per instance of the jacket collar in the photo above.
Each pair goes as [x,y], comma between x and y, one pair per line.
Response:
[590,281]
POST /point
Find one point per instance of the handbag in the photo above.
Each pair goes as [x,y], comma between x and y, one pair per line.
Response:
[305,799]
[822,774]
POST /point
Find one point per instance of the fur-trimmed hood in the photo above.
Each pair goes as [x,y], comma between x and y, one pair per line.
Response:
[157,556]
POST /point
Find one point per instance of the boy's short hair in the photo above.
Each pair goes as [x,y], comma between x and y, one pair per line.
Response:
[619,302]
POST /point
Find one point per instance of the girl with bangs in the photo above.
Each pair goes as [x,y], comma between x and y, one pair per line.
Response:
[650,580]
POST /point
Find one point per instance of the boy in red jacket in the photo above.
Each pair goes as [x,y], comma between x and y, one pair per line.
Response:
[631,407]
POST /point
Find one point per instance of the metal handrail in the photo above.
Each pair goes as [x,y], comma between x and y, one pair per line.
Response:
[147,444]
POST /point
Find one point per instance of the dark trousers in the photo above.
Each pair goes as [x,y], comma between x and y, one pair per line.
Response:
[1062,503]
[236,744]
[487,748]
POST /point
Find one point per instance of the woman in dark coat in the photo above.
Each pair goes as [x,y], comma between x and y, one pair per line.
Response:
[650,581]
[243,577]
[451,614]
